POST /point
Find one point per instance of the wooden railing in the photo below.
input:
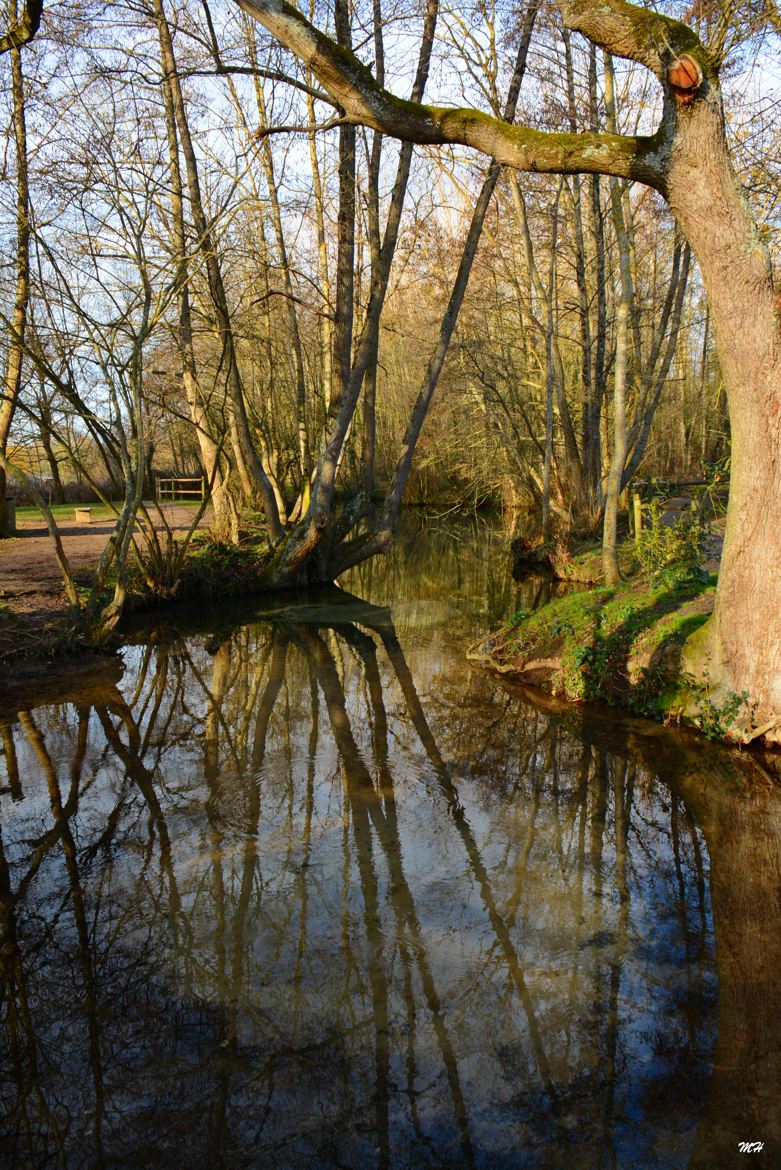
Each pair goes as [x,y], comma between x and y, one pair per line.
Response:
[181,487]
[672,496]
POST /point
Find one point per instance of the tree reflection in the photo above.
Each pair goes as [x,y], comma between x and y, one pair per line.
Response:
[283,899]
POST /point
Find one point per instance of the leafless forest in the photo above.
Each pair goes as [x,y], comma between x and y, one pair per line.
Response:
[208,268]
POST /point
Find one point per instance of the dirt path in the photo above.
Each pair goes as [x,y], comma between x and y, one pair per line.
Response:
[30,581]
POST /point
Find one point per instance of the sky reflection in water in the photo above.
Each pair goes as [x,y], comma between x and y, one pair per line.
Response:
[316,894]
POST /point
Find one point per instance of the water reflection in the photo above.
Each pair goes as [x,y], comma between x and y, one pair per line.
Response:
[296,894]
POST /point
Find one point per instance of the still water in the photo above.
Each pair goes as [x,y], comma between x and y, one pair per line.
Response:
[304,890]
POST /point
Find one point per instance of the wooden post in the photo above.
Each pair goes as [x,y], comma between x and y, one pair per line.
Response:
[637,512]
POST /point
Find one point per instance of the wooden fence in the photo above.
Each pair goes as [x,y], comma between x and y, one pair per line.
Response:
[672,497]
[182,487]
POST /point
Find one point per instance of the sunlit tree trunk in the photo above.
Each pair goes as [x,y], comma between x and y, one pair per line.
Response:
[207,446]
[570,471]
[586,509]
[549,379]
[613,490]
[290,309]
[12,378]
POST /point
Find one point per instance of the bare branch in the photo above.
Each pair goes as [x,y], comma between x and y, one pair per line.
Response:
[265,131]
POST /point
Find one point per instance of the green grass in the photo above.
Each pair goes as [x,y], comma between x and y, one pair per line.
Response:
[63,512]
[618,644]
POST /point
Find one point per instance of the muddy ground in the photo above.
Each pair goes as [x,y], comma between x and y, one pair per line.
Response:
[30,579]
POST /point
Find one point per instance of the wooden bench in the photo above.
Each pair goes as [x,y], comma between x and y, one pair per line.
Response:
[82,515]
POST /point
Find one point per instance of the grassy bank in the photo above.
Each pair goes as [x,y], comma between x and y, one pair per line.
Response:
[619,645]
[65,513]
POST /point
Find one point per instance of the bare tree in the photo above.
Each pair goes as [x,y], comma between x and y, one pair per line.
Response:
[687,160]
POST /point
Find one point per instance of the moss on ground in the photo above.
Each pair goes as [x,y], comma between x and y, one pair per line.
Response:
[619,645]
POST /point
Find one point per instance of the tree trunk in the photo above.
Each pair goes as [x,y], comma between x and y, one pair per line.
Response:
[198,414]
[610,564]
[548,463]
[739,650]
[12,380]
[249,465]
[48,447]
[267,159]
[586,508]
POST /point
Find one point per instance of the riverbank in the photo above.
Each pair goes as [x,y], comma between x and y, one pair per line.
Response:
[615,645]
[620,645]
[31,588]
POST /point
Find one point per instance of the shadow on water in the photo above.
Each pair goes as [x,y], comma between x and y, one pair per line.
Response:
[305,891]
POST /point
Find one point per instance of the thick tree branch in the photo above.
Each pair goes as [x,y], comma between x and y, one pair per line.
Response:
[25,28]
[638,34]
[365,102]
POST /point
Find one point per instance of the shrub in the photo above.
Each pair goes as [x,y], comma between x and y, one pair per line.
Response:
[670,554]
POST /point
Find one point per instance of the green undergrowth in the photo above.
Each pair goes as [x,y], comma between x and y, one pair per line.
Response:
[623,644]
[619,645]
[219,569]
[211,569]
[577,560]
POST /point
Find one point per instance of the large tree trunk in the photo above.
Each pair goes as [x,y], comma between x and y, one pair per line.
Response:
[739,650]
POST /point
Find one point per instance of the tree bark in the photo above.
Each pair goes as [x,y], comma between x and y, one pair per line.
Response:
[198,414]
[739,650]
[548,463]
[610,564]
[12,380]
[22,28]
[267,159]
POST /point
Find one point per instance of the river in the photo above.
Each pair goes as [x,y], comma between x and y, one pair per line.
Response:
[305,890]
